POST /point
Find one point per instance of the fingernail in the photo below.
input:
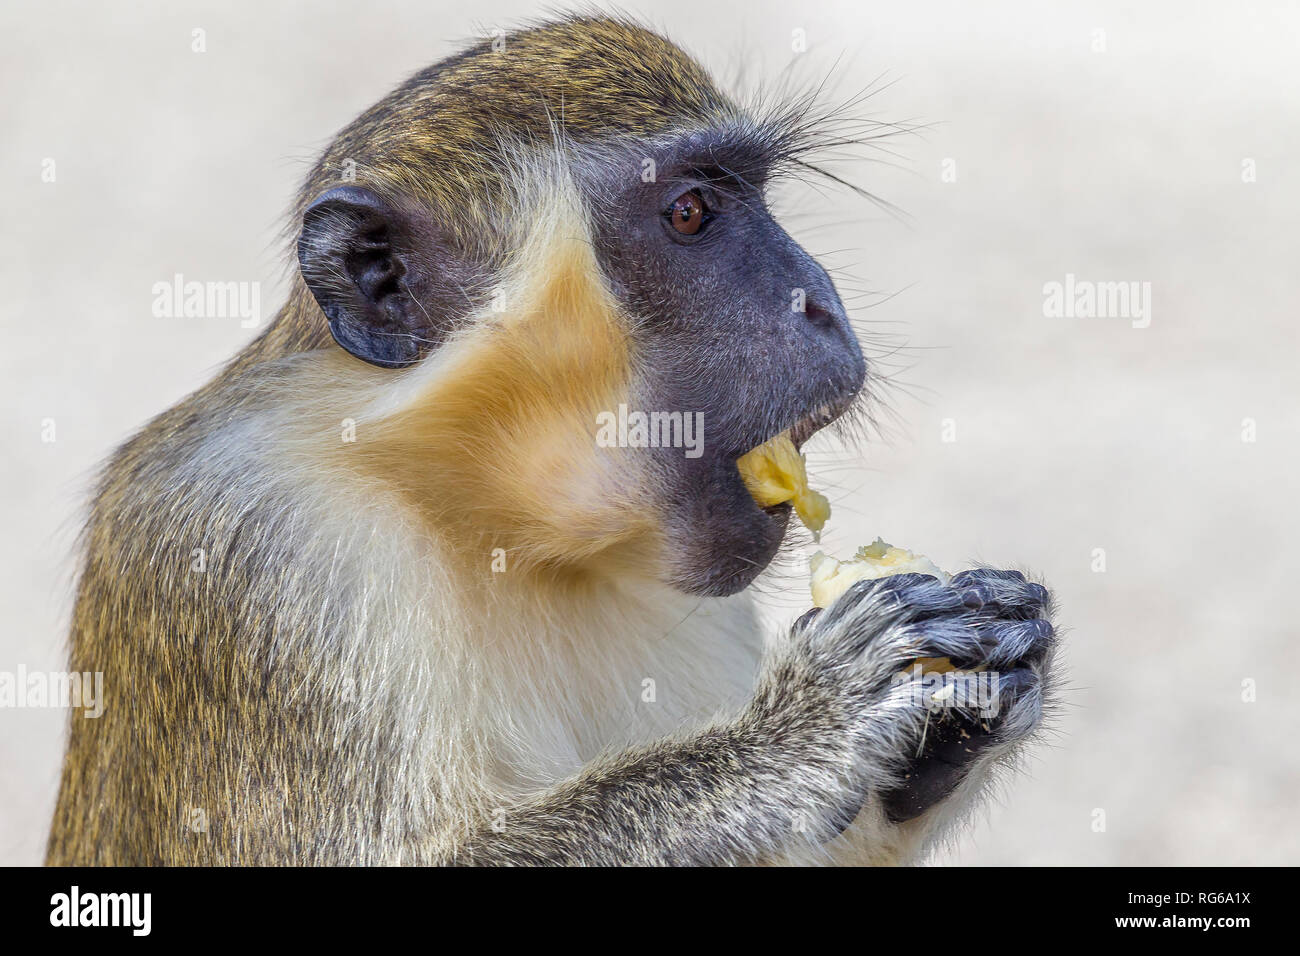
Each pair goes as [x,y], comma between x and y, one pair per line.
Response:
[807,619]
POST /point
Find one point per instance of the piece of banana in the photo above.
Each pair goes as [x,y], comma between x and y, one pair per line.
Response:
[774,473]
[831,578]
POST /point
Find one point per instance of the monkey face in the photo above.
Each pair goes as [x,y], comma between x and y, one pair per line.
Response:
[659,328]
[735,327]
[607,401]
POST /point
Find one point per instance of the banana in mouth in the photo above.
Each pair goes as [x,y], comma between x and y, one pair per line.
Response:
[774,473]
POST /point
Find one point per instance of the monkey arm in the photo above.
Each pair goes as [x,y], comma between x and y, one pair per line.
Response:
[831,738]
[833,749]
[730,794]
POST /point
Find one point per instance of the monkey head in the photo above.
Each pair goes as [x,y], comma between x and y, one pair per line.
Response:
[561,233]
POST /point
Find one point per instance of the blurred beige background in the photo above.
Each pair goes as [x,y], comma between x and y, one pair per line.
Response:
[1113,155]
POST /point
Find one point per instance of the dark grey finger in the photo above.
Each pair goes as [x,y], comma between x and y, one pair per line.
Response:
[916,597]
[1017,641]
[983,575]
[1002,593]
[1019,704]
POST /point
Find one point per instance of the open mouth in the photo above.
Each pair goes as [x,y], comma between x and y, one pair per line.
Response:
[775,476]
[743,515]
[814,421]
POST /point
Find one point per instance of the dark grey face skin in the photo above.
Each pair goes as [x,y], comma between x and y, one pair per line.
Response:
[719,332]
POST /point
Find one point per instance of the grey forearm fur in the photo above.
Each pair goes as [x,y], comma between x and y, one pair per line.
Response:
[728,795]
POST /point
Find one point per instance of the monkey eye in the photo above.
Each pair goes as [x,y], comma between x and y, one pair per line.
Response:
[688,213]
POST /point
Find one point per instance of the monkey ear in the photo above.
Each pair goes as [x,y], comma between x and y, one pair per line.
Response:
[358,256]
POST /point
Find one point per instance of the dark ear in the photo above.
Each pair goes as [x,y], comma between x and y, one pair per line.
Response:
[361,259]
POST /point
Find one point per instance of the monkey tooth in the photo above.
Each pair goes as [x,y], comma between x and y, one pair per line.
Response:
[817,419]
[774,473]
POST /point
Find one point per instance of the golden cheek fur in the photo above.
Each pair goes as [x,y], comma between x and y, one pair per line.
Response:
[493,437]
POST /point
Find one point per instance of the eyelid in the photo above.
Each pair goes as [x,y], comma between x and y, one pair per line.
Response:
[707,197]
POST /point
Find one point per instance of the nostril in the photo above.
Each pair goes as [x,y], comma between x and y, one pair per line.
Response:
[817,315]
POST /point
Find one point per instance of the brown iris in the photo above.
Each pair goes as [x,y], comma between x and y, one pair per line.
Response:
[687,213]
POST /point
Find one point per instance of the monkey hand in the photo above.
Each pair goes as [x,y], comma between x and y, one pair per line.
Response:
[908,737]
[982,713]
